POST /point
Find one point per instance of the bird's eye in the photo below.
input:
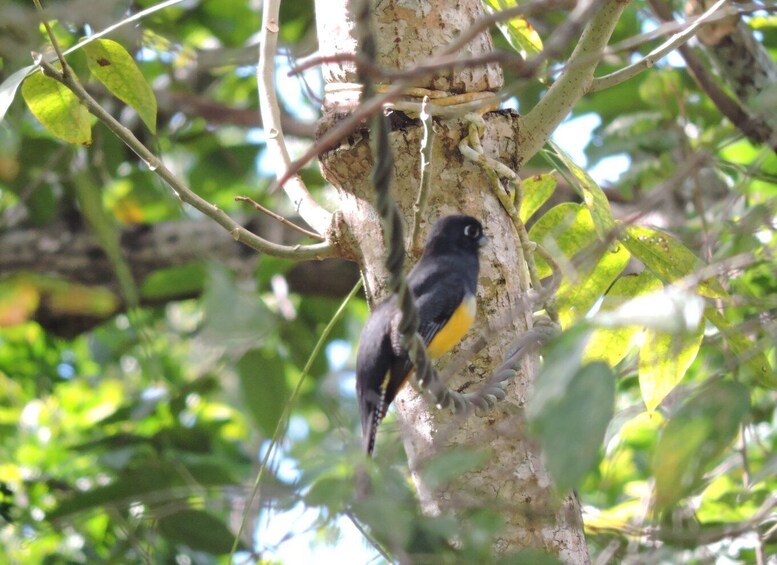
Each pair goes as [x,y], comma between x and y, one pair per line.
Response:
[472,231]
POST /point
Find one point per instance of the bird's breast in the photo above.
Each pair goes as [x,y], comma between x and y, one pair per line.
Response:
[455,328]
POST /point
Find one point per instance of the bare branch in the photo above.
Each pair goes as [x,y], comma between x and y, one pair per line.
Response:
[728,106]
[278,217]
[304,204]
[297,252]
[680,38]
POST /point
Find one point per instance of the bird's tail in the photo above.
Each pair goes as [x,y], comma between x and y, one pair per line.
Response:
[372,414]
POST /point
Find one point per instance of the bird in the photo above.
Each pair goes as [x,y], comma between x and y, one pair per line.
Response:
[444,286]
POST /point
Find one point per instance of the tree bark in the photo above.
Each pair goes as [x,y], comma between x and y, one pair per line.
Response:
[513,480]
[68,251]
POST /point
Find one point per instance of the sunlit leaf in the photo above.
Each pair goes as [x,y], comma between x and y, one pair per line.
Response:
[612,345]
[576,297]
[517,30]
[57,108]
[668,309]
[663,360]
[743,347]
[695,437]
[564,229]
[536,191]
[116,69]
[667,257]
[593,196]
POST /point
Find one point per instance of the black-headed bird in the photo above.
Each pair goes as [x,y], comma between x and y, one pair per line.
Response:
[443,283]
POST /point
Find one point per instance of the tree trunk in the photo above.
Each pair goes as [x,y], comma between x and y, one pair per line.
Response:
[513,480]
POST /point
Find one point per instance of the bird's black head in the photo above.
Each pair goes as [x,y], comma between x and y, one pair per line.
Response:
[455,233]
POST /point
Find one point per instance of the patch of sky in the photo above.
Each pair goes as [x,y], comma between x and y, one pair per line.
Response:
[293,537]
[574,134]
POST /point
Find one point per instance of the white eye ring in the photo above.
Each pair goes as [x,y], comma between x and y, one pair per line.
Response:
[471,231]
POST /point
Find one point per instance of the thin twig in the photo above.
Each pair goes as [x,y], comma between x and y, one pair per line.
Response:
[283,421]
[755,130]
[53,39]
[304,204]
[281,219]
[239,233]
[624,74]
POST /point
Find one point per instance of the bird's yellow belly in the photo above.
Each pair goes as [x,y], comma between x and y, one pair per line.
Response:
[453,331]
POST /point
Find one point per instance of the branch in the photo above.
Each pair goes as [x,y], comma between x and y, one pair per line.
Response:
[304,204]
[297,252]
[728,106]
[680,38]
[62,249]
[537,126]
[281,219]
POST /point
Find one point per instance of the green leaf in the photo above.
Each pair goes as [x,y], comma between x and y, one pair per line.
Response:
[197,529]
[157,483]
[743,347]
[564,229]
[536,191]
[234,316]
[265,391]
[563,360]
[575,298]
[612,345]
[661,91]
[663,360]
[667,257]
[571,428]
[174,282]
[593,196]
[518,31]
[105,229]
[57,108]
[670,309]
[116,69]
[695,438]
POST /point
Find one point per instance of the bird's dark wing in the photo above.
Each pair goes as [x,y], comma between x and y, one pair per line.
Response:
[437,296]
[373,365]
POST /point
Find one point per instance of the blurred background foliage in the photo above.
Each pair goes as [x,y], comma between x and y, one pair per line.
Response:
[134,434]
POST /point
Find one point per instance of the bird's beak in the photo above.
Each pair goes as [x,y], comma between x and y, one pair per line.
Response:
[482,240]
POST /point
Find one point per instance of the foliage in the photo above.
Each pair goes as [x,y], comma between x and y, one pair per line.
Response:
[142,439]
